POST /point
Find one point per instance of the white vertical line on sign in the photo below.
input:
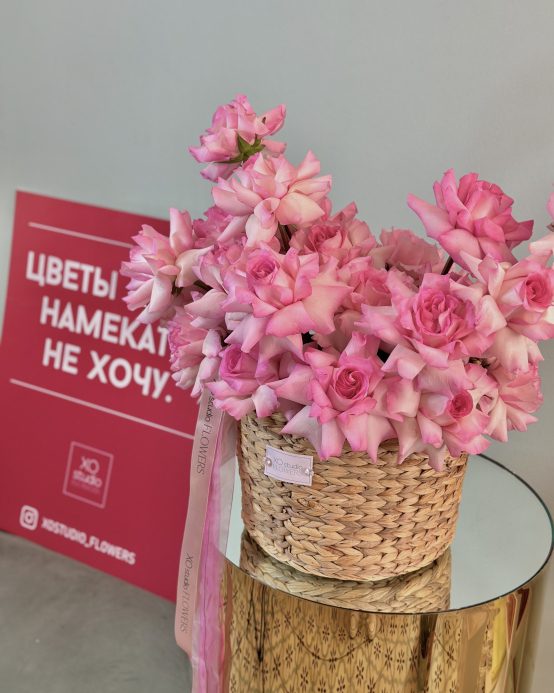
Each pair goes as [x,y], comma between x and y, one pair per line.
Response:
[113,412]
[87,236]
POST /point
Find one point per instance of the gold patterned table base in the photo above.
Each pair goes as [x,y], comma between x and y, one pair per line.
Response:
[277,643]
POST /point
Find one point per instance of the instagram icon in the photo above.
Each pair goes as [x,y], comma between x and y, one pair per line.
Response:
[28,517]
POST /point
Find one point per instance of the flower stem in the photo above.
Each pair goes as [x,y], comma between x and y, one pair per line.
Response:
[446,269]
[285,237]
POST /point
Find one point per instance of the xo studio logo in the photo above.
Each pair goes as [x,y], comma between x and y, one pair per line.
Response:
[88,474]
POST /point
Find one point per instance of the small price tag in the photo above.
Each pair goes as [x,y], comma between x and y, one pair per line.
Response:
[294,469]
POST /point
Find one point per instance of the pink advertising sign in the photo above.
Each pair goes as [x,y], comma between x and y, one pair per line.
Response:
[95,439]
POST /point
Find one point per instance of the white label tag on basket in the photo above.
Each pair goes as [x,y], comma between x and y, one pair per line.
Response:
[294,469]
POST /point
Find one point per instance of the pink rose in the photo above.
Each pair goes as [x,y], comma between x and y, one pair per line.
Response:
[371,285]
[214,265]
[287,295]
[194,352]
[351,397]
[461,405]
[458,419]
[445,320]
[209,231]
[244,384]
[336,393]
[524,294]
[159,265]
[474,217]
[371,288]
[236,134]
[349,385]
[527,288]
[341,236]
[238,370]
[402,249]
[438,317]
[261,269]
[268,192]
[323,238]
[206,308]
[518,397]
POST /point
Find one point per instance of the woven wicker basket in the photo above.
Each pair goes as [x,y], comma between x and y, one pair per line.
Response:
[426,589]
[358,520]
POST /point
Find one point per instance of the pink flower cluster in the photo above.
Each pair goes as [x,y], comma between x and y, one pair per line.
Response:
[237,133]
[275,303]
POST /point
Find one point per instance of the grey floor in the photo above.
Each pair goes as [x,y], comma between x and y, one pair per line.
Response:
[67,628]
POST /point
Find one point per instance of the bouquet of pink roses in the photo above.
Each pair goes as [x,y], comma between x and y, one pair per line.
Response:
[275,303]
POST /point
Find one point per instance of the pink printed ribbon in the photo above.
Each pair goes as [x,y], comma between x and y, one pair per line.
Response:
[204,543]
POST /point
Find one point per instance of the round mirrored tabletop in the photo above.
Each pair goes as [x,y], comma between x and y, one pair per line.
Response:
[504,535]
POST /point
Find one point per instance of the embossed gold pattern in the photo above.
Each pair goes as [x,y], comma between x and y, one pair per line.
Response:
[279,643]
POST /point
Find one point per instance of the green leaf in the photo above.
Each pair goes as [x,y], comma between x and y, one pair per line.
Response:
[246,150]
[243,145]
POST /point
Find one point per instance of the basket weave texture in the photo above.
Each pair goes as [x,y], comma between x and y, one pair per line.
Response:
[427,589]
[358,520]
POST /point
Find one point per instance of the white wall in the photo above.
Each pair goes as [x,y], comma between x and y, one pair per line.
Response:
[99,101]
